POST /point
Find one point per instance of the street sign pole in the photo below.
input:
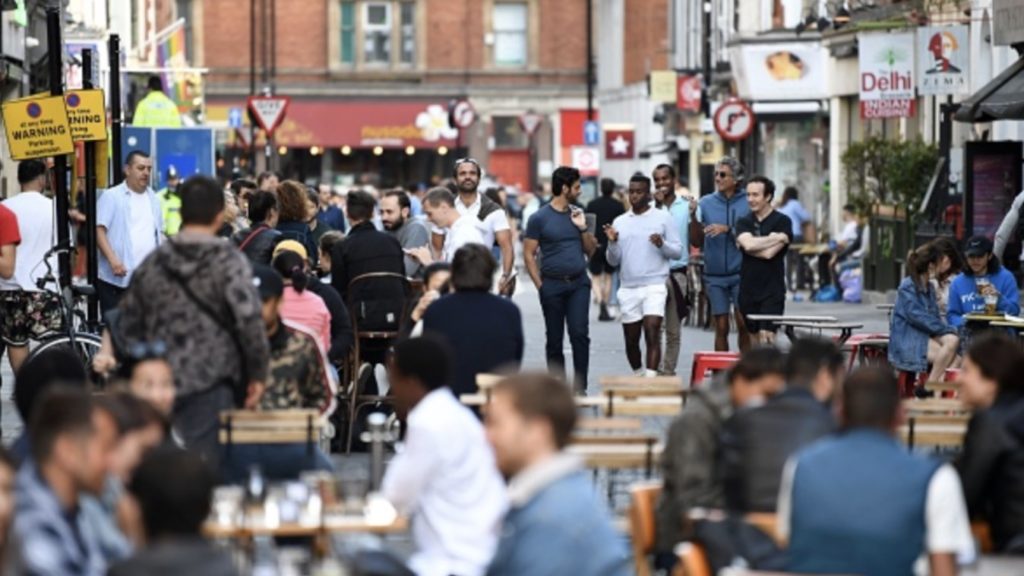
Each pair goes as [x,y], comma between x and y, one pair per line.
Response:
[114,48]
[92,265]
[55,46]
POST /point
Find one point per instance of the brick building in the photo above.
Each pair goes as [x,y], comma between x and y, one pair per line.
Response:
[371,80]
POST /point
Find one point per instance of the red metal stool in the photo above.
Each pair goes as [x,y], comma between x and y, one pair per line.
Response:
[710,361]
[871,354]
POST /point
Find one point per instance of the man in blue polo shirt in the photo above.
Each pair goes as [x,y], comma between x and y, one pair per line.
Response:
[714,228]
[559,230]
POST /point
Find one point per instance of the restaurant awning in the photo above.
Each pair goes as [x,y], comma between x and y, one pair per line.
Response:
[1000,99]
[355,123]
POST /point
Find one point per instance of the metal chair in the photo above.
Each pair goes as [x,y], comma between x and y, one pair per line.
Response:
[384,327]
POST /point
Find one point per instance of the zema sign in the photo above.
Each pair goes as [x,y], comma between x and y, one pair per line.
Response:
[886,75]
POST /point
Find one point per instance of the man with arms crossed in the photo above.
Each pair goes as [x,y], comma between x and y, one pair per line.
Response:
[763,236]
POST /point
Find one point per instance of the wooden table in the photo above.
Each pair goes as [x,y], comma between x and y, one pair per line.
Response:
[329,525]
[845,328]
[811,249]
[979,318]
[780,319]
[641,406]
[612,456]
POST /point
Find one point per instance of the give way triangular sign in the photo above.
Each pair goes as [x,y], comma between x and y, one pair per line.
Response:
[268,110]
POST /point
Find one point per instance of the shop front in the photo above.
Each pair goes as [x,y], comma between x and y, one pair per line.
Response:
[785,82]
[347,142]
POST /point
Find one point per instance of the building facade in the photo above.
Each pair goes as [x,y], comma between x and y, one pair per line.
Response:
[371,82]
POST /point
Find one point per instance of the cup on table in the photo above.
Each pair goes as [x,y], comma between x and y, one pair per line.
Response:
[227,505]
[991,301]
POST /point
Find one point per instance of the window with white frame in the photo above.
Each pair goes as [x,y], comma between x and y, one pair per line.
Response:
[510,38]
[378,33]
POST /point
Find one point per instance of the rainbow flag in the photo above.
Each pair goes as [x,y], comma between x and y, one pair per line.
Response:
[171,54]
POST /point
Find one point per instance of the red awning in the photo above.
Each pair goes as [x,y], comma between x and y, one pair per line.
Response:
[357,123]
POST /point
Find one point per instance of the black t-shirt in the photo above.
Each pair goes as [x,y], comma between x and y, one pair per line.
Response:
[760,278]
[607,209]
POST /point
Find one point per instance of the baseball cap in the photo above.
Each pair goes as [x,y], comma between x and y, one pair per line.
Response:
[978,246]
[267,281]
[291,246]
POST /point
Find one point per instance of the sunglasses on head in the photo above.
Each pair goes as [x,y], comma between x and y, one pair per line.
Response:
[140,351]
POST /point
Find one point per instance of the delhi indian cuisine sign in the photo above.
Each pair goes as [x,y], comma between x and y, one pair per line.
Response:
[886,75]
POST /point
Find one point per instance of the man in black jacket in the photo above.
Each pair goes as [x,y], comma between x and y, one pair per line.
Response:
[756,443]
[376,304]
[365,249]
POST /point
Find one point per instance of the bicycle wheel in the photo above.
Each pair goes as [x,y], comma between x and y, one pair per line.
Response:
[87,345]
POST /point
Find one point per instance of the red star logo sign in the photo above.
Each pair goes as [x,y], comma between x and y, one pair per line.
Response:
[619,144]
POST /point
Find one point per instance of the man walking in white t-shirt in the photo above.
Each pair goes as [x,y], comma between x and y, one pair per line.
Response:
[26,311]
[129,222]
[643,241]
[460,229]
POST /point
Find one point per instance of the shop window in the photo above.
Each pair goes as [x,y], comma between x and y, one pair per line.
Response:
[510,41]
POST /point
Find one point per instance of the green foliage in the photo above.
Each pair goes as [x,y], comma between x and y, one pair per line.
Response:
[880,171]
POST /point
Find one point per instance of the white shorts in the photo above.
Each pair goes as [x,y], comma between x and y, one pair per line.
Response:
[635,303]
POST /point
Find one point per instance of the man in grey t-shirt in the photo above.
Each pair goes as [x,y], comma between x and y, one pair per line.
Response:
[395,213]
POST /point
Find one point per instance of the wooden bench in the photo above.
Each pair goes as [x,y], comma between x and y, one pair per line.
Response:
[270,427]
[613,455]
[609,425]
[934,405]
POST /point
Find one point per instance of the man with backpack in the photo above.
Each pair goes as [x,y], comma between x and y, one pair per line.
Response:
[492,220]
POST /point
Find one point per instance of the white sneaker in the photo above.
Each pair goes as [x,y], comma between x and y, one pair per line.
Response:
[650,373]
[640,372]
[380,373]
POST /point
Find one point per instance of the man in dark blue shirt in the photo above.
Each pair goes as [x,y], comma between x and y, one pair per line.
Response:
[559,231]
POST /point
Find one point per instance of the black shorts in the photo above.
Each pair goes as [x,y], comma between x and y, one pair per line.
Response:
[599,263]
[774,305]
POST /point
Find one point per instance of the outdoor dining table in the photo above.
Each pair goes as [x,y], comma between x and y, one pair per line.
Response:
[845,328]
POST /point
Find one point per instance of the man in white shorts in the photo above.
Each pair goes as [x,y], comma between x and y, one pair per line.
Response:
[642,242]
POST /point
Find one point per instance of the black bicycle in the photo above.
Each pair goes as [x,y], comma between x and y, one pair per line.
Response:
[72,333]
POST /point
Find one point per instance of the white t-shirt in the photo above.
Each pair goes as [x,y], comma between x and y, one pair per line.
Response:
[38,234]
[947,525]
[849,233]
[463,231]
[495,222]
[142,228]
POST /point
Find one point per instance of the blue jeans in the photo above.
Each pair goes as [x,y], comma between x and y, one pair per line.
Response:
[566,303]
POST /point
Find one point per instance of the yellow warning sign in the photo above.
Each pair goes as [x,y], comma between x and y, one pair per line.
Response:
[37,127]
[86,115]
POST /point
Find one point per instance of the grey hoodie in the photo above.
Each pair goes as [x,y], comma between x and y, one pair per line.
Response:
[200,349]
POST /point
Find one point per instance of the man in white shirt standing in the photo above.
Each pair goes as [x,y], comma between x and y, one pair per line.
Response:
[460,229]
[129,225]
[26,311]
[644,241]
[489,216]
[445,475]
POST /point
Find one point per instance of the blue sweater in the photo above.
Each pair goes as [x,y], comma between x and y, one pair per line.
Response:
[721,256]
[964,297]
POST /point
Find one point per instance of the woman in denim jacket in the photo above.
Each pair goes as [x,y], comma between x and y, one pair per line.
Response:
[918,334]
